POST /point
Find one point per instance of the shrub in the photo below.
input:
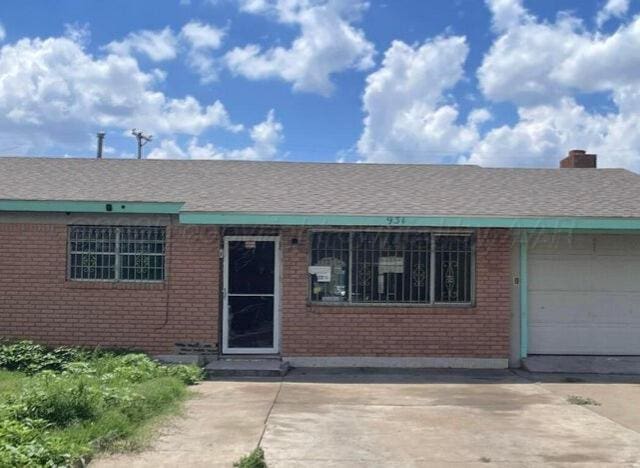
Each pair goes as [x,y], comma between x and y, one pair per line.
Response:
[30,357]
[188,374]
[158,393]
[27,443]
[137,368]
[57,399]
[76,402]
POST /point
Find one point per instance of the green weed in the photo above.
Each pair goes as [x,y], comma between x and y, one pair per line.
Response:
[73,403]
[254,460]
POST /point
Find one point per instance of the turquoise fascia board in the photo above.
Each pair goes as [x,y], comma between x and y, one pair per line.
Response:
[524,295]
[230,218]
[90,206]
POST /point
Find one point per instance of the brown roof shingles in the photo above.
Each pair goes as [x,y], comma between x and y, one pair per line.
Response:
[321,188]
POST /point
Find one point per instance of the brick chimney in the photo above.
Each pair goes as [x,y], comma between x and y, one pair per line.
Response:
[579,159]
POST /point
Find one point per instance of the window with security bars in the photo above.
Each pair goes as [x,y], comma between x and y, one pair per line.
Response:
[392,267]
[122,253]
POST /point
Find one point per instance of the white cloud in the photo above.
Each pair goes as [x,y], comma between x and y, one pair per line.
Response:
[506,13]
[78,33]
[612,9]
[328,43]
[201,39]
[545,133]
[605,63]
[157,45]
[265,137]
[541,67]
[520,64]
[197,40]
[202,36]
[3,32]
[54,93]
[407,116]
[534,62]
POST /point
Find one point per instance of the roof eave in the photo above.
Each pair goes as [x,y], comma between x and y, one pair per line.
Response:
[86,206]
[279,219]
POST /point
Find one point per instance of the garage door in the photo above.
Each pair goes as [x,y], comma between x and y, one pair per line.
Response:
[584,294]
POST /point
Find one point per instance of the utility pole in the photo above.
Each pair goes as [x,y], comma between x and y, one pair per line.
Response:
[142,140]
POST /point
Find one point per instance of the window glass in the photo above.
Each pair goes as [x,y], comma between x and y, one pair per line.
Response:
[92,253]
[391,267]
[123,253]
[141,253]
[330,252]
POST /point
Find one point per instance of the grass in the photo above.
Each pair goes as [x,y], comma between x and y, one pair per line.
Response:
[61,407]
[254,460]
[582,401]
[117,431]
[10,382]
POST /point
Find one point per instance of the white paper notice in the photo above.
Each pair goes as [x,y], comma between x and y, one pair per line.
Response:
[323,273]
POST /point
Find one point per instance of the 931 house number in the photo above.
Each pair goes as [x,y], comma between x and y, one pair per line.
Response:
[395,220]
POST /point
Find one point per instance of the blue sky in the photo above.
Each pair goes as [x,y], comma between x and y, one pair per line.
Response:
[496,83]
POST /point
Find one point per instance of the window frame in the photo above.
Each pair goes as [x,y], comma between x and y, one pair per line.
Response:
[433,234]
[116,253]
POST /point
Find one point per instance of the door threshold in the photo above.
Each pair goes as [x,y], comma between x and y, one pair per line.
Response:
[248,357]
[246,368]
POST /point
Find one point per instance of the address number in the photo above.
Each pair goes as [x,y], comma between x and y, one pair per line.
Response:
[396,220]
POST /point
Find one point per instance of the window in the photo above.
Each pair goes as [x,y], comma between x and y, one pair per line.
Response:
[124,253]
[392,267]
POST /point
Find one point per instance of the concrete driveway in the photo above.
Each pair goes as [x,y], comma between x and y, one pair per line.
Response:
[364,419]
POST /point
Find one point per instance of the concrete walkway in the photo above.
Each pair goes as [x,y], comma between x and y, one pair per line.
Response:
[222,422]
[416,419]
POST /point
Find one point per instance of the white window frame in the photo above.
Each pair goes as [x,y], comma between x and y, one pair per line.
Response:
[432,260]
[117,254]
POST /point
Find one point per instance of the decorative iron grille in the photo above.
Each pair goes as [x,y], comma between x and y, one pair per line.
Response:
[393,267]
[122,253]
[453,269]
[390,267]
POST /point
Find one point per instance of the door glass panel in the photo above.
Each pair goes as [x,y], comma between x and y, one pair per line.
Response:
[250,321]
[251,267]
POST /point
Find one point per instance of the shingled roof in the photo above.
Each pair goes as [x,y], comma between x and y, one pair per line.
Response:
[327,188]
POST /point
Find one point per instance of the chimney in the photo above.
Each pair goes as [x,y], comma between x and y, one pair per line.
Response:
[100,136]
[579,159]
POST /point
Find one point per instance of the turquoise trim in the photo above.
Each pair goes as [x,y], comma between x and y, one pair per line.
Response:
[187,217]
[524,295]
[193,217]
[90,206]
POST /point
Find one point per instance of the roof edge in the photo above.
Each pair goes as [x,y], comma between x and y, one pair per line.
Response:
[83,206]
[279,219]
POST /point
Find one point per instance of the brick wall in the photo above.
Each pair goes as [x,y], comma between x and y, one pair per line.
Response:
[320,330]
[38,303]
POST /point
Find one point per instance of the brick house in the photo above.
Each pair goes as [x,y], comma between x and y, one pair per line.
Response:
[322,264]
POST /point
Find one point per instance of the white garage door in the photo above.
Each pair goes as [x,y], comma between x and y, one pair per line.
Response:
[584,294]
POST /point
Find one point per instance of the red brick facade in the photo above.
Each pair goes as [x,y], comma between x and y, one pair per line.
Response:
[481,331]
[39,303]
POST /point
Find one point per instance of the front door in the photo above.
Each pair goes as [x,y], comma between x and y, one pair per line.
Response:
[250,319]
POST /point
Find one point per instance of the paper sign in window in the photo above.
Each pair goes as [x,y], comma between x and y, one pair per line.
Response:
[322,273]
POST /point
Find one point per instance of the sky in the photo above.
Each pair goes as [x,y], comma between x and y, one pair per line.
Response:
[496,83]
